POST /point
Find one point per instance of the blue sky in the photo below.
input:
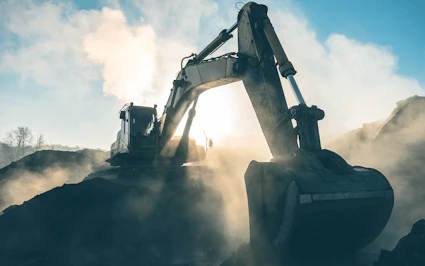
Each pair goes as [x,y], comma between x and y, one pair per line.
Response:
[51,81]
[399,24]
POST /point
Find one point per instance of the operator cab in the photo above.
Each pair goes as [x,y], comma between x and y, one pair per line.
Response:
[137,139]
[137,142]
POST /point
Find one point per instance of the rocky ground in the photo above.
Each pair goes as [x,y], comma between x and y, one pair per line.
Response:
[410,250]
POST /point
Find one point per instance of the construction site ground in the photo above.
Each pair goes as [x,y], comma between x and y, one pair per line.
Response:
[52,217]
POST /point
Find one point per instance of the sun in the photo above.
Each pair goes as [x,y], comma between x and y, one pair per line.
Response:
[215,116]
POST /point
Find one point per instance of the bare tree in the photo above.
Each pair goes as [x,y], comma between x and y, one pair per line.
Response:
[20,141]
[40,142]
[7,154]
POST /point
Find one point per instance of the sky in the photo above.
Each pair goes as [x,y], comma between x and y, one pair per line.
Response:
[67,67]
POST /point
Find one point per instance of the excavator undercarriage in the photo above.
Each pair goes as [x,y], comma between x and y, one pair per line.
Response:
[306,198]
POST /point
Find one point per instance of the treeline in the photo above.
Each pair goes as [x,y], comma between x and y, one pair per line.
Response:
[21,142]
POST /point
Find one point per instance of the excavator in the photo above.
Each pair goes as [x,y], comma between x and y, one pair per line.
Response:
[306,198]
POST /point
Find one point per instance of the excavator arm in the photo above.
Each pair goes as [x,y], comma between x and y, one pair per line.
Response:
[307,198]
[260,46]
[261,79]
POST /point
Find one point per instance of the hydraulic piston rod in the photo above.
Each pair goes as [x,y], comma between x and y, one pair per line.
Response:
[221,39]
[295,89]
[286,68]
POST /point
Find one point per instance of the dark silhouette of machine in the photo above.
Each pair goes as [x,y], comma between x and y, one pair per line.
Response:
[306,197]
[138,145]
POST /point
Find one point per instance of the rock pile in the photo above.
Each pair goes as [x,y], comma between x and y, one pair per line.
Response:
[410,250]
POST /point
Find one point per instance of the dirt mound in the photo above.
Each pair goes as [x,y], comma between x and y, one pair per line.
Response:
[41,160]
[356,141]
[410,250]
[44,170]
[389,138]
[98,222]
[404,124]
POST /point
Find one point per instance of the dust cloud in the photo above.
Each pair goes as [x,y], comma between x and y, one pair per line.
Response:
[229,161]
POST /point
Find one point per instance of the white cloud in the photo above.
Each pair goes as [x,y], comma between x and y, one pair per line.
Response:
[126,54]
[66,50]
[352,82]
[49,41]
[177,19]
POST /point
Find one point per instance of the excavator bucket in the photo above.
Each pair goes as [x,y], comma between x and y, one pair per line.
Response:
[316,202]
